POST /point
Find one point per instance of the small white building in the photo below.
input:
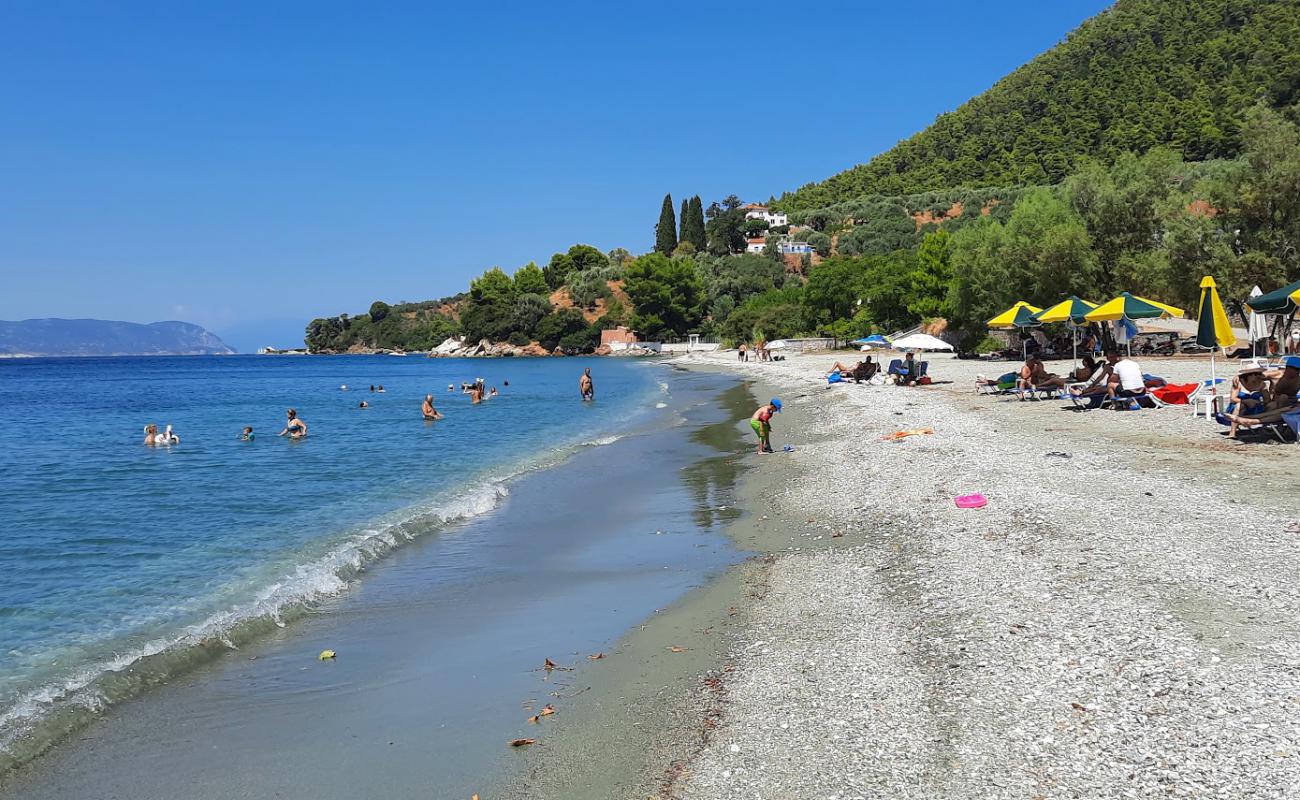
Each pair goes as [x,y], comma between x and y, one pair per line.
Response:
[772,218]
[755,246]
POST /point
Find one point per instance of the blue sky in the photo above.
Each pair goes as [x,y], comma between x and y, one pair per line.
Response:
[251,166]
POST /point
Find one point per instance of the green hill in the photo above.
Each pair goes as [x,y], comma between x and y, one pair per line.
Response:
[1144,73]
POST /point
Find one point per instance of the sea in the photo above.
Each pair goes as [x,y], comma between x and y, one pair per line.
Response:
[128,571]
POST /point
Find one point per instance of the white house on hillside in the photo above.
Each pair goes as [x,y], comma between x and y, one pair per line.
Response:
[772,218]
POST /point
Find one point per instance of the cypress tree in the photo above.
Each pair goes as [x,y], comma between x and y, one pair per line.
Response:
[694,226]
[681,221]
[666,230]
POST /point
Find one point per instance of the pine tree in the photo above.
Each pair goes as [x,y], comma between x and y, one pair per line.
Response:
[683,225]
[666,230]
[694,224]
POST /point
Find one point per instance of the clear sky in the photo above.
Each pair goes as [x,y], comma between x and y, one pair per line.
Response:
[249,166]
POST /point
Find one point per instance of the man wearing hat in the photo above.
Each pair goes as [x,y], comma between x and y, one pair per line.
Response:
[761,422]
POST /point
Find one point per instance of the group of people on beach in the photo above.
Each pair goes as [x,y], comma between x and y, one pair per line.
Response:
[907,372]
[760,351]
[1262,396]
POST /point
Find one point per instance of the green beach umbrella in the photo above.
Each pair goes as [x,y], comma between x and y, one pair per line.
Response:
[1130,307]
[1021,315]
[1280,301]
[1212,327]
[1072,310]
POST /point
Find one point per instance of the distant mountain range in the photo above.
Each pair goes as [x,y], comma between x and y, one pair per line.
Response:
[99,337]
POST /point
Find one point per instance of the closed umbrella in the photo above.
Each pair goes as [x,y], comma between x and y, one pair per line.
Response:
[1128,307]
[1019,316]
[1212,327]
[1071,311]
[1256,324]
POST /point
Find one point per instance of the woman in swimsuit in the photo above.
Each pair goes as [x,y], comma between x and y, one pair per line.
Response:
[294,428]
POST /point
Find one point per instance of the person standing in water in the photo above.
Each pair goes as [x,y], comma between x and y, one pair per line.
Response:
[294,428]
[426,408]
[475,394]
[586,386]
[761,422]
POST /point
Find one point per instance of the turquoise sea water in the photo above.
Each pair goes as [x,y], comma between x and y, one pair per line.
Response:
[116,557]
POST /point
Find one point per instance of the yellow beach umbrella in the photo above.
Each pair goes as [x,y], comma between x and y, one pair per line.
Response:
[1021,315]
[1071,310]
[1212,328]
[1130,306]
[1018,316]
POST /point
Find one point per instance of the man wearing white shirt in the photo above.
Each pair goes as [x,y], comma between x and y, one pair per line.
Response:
[1131,386]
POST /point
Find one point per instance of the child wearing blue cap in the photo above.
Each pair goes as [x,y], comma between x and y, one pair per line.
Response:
[761,422]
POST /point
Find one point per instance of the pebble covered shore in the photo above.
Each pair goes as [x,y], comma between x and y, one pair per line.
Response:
[1121,620]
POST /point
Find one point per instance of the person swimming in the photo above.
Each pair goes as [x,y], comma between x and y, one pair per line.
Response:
[451,388]
[151,435]
[153,438]
[363,404]
[380,389]
[427,409]
[493,393]
[586,386]
[247,434]
[294,428]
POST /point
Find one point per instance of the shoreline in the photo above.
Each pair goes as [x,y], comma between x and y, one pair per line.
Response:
[223,659]
[1118,619]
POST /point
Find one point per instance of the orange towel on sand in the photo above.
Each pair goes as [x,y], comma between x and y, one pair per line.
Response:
[896,435]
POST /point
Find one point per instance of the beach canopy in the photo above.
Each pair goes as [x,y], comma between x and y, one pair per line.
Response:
[921,341]
[1072,309]
[1021,315]
[1212,327]
[1280,301]
[1130,306]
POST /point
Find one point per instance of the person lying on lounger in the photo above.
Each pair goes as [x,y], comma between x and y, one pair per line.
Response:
[1285,383]
[860,373]
[1100,383]
[1034,376]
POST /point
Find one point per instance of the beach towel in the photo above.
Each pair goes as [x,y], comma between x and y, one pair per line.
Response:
[896,435]
[1175,394]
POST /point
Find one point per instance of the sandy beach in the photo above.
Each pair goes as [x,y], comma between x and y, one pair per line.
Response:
[1119,621]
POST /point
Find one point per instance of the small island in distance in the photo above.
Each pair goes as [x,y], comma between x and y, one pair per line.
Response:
[97,337]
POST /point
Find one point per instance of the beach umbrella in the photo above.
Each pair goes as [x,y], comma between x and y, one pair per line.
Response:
[1280,301]
[921,341]
[1071,311]
[1128,307]
[1212,327]
[1256,324]
[1019,316]
[874,340]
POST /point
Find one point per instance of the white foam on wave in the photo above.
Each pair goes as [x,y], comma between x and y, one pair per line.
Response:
[323,577]
[661,405]
[602,441]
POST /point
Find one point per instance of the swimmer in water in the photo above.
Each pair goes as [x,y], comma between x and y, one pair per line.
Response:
[151,435]
[586,386]
[363,404]
[493,393]
[505,382]
[294,428]
[427,409]
[380,389]
[476,394]
[451,388]
[247,435]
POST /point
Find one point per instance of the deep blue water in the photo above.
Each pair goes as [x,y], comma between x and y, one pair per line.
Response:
[111,551]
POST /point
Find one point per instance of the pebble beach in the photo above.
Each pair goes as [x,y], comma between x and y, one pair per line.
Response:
[1119,621]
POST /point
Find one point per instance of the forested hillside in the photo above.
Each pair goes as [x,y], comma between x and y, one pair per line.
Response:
[1179,73]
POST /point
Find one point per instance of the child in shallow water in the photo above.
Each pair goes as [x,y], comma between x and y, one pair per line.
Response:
[247,434]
